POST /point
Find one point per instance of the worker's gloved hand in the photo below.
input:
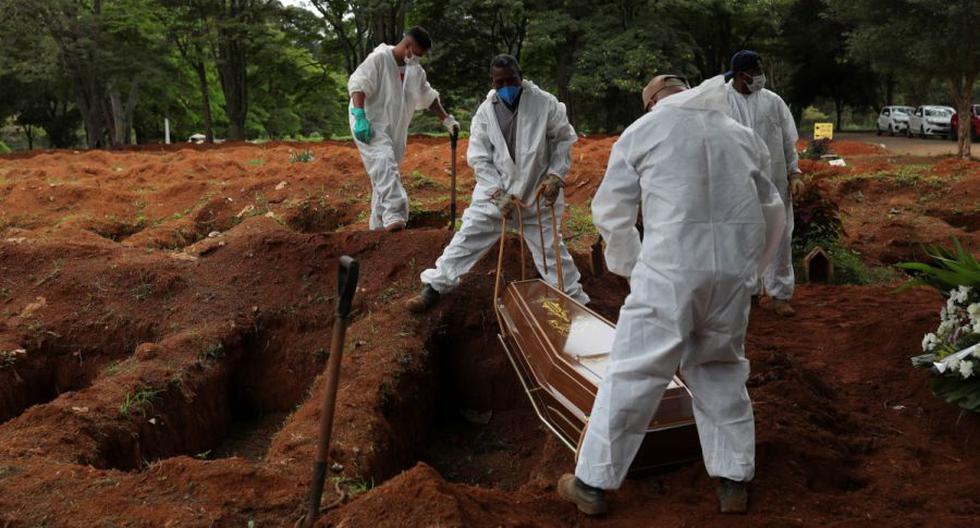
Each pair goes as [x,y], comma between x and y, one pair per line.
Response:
[506,204]
[550,188]
[451,124]
[362,127]
[796,185]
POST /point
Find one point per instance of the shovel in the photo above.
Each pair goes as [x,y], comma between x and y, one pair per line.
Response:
[346,285]
[453,137]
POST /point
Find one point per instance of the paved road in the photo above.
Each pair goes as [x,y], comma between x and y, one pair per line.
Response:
[904,145]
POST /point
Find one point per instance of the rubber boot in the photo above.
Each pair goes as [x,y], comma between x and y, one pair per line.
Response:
[426,299]
[395,226]
[589,500]
[783,308]
[733,496]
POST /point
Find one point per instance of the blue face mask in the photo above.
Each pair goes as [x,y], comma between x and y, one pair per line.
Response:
[509,94]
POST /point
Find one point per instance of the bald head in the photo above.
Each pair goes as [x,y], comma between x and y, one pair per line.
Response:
[660,87]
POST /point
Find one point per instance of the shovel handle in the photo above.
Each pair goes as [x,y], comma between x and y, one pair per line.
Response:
[453,138]
[346,285]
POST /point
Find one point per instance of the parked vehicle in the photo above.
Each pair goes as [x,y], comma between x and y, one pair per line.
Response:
[974,125]
[894,119]
[930,121]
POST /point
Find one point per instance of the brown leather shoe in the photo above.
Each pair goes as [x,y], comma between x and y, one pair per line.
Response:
[396,226]
[783,308]
[733,496]
[426,299]
[589,500]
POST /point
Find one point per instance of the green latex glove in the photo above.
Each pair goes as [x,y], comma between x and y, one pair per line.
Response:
[362,127]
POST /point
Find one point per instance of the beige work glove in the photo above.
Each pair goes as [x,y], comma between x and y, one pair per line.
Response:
[506,204]
[550,188]
[796,185]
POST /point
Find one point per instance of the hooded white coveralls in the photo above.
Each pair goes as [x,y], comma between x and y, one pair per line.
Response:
[389,104]
[709,209]
[767,114]
[543,145]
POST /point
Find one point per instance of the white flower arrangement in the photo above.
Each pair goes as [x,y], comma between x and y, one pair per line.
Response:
[953,350]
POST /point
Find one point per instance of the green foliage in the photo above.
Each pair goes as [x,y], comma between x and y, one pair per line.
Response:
[919,40]
[301,156]
[818,224]
[421,181]
[261,70]
[214,351]
[579,222]
[950,269]
[4,149]
[140,401]
[816,149]
[965,394]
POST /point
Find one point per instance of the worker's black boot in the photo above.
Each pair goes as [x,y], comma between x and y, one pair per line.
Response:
[733,496]
[590,501]
[426,299]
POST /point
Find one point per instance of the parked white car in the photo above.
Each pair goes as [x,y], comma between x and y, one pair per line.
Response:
[894,119]
[931,121]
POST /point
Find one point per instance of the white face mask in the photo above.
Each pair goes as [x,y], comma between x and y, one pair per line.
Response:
[412,60]
[758,83]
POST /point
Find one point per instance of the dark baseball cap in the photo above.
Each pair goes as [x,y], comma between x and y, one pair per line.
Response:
[743,61]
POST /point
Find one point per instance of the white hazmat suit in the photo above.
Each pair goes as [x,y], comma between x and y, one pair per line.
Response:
[544,140]
[709,209]
[389,103]
[766,114]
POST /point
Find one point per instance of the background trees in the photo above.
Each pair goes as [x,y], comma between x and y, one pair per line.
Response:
[931,39]
[108,72]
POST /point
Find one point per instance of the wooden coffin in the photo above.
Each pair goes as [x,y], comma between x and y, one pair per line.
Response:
[559,349]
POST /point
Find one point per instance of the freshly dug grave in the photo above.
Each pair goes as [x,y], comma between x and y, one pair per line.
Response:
[169,377]
[847,435]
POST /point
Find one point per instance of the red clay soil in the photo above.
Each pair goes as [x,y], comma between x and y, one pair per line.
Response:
[848,435]
[171,378]
[894,205]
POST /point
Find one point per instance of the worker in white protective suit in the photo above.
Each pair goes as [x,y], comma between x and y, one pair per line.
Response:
[765,112]
[711,217]
[520,144]
[385,92]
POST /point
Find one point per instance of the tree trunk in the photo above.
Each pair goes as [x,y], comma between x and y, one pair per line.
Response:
[962,90]
[839,110]
[202,80]
[91,110]
[130,111]
[29,133]
[118,117]
[231,70]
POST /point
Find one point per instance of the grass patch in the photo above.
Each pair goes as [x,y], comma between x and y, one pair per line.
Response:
[421,181]
[255,162]
[140,401]
[213,352]
[302,156]
[144,289]
[907,176]
[579,222]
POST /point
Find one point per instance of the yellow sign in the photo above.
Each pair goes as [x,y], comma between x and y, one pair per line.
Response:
[823,131]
